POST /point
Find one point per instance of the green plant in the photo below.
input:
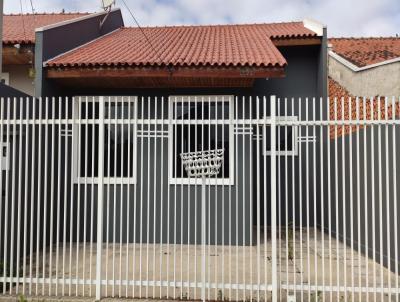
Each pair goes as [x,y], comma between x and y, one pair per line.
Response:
[316,297]
[21,298]
[290,237]
[220,296]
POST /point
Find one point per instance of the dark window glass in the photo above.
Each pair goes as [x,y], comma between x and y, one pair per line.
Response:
[284,138]
[198,110]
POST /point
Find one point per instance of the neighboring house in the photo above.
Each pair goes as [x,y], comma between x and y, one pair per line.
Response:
[19,46]
[366,66]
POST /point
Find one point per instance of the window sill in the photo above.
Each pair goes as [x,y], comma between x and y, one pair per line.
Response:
[198,181]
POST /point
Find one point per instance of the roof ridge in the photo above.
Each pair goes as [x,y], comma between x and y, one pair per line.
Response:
[213,25]
[364,38]
[47,14]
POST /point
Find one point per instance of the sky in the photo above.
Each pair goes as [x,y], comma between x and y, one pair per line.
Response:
[344,18]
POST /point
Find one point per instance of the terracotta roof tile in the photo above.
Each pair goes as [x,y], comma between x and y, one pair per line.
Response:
[14,25]
[366,51]
[211,45]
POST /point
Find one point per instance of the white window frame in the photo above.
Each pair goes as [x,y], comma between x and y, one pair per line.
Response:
[291,118]
[198,99]
[107,121]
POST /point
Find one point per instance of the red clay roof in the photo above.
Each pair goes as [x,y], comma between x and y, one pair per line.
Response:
[14,25]
[212,45]
[366,51]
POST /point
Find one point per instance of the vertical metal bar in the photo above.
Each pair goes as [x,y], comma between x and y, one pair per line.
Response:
[388,235]
[26,174]
[236,198]
[141,199]
[394,164]
[38,216]
[322,162]
[181,202]
[264,191]
[366,220]
[121,203]
[379,146]
[19,208]
[286,192]
[373,159]
[2,169]
[189,207]
[13,185]
[74,173]
[86,188]
[279,192]
[258,200]
[301,201]
[273,202]
[45,197]
[295,142]
[216,195]
[155,193]
[351,183]
[66,166]
[251,194]
[329,137]
[314,155]
[135,140]
[58,221]
[244,196]
[78,178]
[51,193]
[114,186]
[162,194]
[92,200]
[128,195]
[171,105]
[203,235]
[337,198]
[108,203]
[308,199]
[358,129]
[100,199]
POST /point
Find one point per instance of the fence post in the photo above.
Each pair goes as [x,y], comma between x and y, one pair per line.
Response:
[273,200]
[100,198]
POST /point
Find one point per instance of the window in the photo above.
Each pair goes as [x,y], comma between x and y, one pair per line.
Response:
[286,138]
[200,123]
[119,147]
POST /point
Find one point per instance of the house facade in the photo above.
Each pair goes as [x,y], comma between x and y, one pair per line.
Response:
[178,73]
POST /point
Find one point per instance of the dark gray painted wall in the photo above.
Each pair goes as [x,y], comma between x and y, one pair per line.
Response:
[8,91]
[367,214]
[57,40]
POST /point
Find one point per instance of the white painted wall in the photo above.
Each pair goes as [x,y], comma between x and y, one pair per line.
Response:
[19,78]
[382,80]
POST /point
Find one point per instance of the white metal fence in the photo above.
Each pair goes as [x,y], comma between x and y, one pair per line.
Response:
[95,200]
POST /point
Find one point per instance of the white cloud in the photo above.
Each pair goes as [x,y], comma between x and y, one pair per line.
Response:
[343,17]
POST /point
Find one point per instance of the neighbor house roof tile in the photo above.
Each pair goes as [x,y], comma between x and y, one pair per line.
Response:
[343,106]
[212,45]
[366,51]
[21,28]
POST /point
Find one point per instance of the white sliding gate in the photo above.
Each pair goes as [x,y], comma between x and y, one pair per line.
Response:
[95,200]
